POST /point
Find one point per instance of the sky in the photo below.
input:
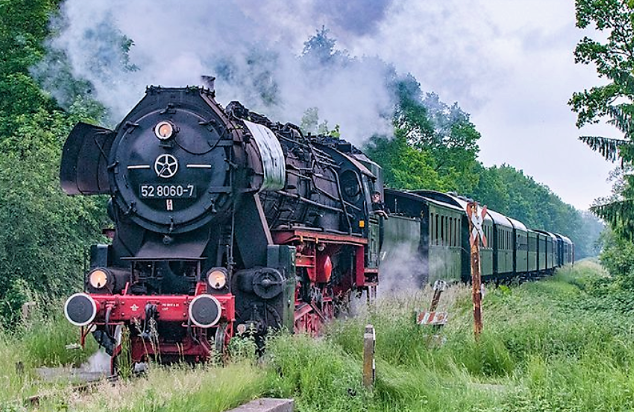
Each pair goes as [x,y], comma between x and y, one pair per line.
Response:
[509,63]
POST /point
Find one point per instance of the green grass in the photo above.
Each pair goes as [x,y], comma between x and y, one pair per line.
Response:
[40,342]
[546,346]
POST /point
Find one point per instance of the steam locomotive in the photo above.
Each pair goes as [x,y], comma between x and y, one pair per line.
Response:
[227,223]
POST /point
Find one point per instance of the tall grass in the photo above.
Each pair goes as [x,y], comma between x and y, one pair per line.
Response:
[39,342]
[206,388]
[546,346]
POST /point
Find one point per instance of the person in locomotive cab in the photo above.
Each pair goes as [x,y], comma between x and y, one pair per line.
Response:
[378,207]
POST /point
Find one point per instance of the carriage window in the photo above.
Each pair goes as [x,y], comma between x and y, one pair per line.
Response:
[431,228]
[456,232]
[436,237]
[451,232]
[449,227]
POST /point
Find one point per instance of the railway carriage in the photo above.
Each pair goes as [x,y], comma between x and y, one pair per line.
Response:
[550,252]
[486,251]
[441,229]
[521,248]
[503,246]
[565,250]
[541,252]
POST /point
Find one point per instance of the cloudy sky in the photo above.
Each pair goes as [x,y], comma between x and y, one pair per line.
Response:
[508,63]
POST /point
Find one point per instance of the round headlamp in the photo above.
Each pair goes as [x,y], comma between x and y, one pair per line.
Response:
[99,278]
[164,130]
[217,278]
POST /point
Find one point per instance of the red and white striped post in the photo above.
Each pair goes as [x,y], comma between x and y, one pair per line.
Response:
[476,235]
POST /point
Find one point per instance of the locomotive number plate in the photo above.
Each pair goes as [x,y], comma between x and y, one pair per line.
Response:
[167,191]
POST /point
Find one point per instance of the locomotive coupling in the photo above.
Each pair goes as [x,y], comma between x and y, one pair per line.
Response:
[80,309]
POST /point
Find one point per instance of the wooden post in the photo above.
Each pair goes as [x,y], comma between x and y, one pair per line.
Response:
[369,343]
[439,288]
[27,310]
[476,217]
[476,284]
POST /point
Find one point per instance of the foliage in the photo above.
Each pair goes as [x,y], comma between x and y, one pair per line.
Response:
[618,258]
[510,192]
[443,132]
[319,51]
[404,167]
[547,345]
[544,347]
[434,145]
[311,125]
[614,61]
[43,233]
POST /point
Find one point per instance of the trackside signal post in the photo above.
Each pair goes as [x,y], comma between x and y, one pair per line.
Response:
[476,235]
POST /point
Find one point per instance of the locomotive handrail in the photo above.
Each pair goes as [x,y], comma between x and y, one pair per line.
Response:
[310,202]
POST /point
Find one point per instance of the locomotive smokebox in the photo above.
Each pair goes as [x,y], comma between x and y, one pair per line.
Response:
[177,161]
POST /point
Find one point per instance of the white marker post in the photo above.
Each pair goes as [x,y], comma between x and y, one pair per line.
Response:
[369,365]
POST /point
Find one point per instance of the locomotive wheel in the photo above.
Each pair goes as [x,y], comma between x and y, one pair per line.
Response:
[223,335]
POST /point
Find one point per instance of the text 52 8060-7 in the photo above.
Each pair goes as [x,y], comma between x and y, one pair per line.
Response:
[166,191]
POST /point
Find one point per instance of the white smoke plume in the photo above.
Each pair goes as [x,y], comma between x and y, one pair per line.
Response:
[99,362]
[174,44]
[253,48]
[402,268]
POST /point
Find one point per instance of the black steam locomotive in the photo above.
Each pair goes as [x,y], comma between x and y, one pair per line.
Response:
[227,223]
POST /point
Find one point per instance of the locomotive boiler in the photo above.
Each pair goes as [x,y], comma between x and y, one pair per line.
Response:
[225,223]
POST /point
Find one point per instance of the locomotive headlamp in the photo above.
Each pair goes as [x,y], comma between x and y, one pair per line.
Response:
[99,278]
[164,130]
[217,278]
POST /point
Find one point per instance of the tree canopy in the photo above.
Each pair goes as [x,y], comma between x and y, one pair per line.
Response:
[44,234]
[613,59]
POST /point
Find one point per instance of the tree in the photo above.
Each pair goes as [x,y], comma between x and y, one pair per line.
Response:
[404,167]
[444,134]
[614,61]
[319,51]
[44,234]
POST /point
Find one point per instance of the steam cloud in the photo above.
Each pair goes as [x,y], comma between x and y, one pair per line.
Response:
[253,48]
[174,45]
